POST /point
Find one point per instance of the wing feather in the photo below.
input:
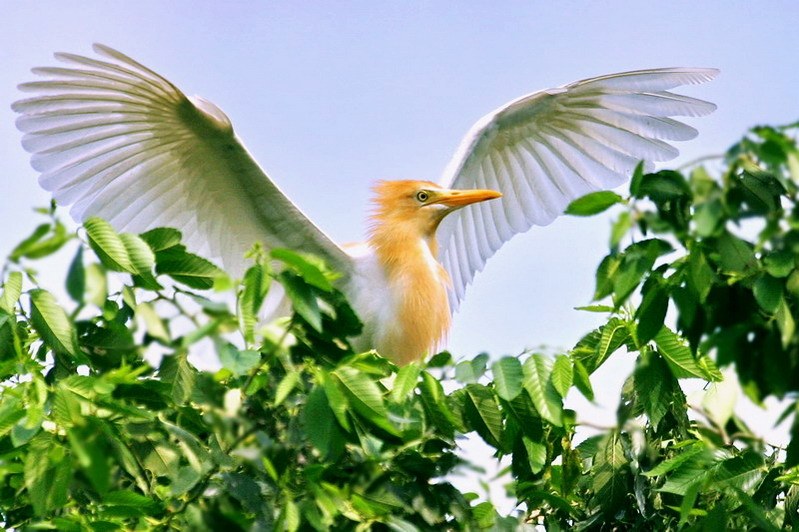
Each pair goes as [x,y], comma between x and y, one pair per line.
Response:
[116,140]
[548,148]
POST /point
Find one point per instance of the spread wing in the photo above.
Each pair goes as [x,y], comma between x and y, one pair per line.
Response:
[548,148]
[118,141]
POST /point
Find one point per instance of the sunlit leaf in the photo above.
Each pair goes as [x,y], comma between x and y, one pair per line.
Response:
[508,376]
[53,324]
[189,269]
[680,358]
[255,285]
[562,374]
[365,397]
[306,266]
[302,299]
[12,289]
[405,383]
[483,411]
[537,370]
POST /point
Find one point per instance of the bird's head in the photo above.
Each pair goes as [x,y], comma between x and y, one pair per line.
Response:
[420,205]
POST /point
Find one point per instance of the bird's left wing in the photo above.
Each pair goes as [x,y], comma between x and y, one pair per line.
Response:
[121,142]
[548,148]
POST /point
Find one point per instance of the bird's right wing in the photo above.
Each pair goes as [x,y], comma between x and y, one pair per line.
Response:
[121,142]
[548,148]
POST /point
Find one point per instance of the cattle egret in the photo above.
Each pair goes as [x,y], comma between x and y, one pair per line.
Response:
[118,141]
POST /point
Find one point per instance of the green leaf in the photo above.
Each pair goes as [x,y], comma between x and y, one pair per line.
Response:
[23,246]
[310,268]
[254,288]
[508,376]
[663,186]
[162,238]
[88,447]
[485,515]
[12,289]
[76,277]
[779,263]
[289,517]
[108,245]
[336,398]
[562,374]
[681,360]
[536,454]
[786,323]
[470,371]
[435,405]
[53,324]
[11,411]
[180,374]
[637,261]
[708,217]
[756,514]
[613,335]
[655,386]
[768,292]
[287,384]
[405,383]
[605,274]
[238,362]
[651,313]
[537,370]
[483,412]
[736,255]
[302,299]
[692,448]
[188,269]
[96,285]
[610,475]
[620,228]
[320,425]
[635,180]
[365,397]
[132,499]
[596,308]
[700,275]
[593,203]
[742,472]
[48,473]
[582,380]
[142,258]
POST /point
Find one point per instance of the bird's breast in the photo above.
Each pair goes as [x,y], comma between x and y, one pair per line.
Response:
[403,305]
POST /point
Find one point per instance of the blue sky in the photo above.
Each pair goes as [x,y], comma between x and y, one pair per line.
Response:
[330,97]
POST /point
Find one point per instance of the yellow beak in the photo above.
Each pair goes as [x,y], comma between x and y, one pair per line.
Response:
[460,198]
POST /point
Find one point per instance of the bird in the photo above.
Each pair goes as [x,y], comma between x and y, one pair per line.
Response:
[118,141]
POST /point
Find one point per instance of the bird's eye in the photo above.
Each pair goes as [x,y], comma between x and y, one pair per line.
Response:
[422,196]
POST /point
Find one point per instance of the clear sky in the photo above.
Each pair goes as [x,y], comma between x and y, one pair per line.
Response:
[331,96]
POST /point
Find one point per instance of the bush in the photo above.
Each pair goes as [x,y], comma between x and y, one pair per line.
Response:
[298,432]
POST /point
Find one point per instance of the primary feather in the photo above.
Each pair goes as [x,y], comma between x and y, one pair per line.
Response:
[550,147]
[118,141]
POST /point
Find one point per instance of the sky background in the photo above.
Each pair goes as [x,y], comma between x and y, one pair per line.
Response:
[332,96]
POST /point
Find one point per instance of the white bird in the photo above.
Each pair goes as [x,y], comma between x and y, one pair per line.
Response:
[120,142]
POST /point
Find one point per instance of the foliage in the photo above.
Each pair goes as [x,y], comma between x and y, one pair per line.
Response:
[298,432]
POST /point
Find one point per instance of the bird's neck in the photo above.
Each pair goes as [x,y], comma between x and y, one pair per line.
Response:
[419,285]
